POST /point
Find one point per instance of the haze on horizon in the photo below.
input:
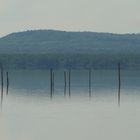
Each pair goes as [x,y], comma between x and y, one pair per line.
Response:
[116,16]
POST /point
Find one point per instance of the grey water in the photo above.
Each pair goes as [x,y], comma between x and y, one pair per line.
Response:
[28,113]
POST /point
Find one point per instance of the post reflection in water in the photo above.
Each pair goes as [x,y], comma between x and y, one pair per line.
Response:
[106,82]
[29,107]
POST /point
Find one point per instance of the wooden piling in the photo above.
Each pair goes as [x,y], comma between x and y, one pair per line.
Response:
[69,82]
[7,83]
[65,83]
[51,83]
[119,83]
[1,84]
[89,82]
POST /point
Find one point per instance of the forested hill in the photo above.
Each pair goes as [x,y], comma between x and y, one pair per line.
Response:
[51,41]
[60,49]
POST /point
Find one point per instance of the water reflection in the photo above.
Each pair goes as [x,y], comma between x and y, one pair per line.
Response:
[54,83]
[28,113]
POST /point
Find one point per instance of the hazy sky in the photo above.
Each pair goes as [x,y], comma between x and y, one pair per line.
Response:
[120,16]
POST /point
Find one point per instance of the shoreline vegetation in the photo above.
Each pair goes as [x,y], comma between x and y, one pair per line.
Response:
[66,61]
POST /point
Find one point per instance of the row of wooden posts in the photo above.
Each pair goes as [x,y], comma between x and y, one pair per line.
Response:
[90,81]
[2,83]
[65,82]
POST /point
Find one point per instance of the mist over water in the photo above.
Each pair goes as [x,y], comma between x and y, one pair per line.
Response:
[29,113]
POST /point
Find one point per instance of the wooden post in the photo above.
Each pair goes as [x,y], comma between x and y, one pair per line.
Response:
[65,83]
[1,84]
[7,83]
[69,82]
[119,83]
[90,83]
[51,79]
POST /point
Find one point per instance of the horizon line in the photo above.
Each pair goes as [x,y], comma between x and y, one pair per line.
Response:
[71,31]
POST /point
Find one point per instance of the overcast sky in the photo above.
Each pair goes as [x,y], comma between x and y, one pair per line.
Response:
[119,16]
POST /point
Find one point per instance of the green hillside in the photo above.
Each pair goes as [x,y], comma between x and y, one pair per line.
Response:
[60,49]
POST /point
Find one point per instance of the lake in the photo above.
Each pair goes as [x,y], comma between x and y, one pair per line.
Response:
[30,113]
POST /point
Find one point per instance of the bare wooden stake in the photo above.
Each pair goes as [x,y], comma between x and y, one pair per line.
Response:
[1,85]
[7,83]
[51,83]
[90,83]
[65,83]
[69,82]
[119,83]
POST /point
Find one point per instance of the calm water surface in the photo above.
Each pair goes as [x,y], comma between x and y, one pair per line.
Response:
[29,114]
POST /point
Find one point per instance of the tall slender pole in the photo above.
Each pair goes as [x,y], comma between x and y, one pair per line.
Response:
[7,82]
[1,85]
[69,82]
[65,83]
[90,83]
[119,83]
[51,79]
